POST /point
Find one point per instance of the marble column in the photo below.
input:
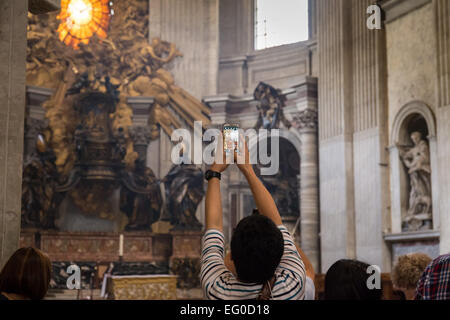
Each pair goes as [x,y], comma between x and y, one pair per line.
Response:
[13,46]
[442,20]
[306,123]
[13,41]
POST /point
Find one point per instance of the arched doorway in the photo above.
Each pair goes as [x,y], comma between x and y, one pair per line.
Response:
[284,186]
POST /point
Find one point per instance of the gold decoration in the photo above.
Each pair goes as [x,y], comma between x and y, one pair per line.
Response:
[144,287]
[126,56]
[122,118]
[61,122]
[81,19]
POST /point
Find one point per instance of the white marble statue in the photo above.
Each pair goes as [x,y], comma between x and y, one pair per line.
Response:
[417,161]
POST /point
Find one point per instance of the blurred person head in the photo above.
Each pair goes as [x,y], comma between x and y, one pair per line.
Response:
[26,275]
[347,280]
[407,272]
[257,246]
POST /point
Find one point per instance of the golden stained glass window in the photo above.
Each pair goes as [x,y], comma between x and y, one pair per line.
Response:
[81,19]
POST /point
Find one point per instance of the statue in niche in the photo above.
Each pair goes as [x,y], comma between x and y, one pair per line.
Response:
[417,161]
[40,200]
[184,191]
[140,198]
[270,108]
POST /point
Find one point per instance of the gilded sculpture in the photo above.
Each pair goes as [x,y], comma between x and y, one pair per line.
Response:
[90,130]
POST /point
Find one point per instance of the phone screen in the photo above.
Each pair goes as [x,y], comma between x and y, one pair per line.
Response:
[230,137]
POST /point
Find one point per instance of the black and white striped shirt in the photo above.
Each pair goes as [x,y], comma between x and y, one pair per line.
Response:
[219,283]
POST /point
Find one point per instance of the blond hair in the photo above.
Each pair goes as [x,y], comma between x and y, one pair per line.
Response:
[408,270]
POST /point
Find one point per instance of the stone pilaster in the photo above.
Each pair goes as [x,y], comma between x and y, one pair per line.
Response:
[442,18]
[337,210]
[13,41]
[194,27]
[306,123]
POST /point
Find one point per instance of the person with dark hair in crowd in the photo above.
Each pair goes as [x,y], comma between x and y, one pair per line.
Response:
[263,256]
[26,275]
[347,280]
[407,272]
[434,284]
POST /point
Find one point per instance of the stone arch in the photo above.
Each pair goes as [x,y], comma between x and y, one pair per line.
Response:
[405,113]
[290,137]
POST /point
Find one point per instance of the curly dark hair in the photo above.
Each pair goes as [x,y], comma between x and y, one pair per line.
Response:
[257,246]
[408,269]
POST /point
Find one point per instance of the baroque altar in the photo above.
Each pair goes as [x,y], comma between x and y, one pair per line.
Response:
[93,108]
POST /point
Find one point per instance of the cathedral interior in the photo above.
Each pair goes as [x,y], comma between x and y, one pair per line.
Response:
[93,92]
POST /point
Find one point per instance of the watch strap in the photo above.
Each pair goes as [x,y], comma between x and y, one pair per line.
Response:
[212,174]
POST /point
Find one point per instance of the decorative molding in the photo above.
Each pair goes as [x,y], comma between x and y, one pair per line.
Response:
[395,9]
[149,287]
[412,236]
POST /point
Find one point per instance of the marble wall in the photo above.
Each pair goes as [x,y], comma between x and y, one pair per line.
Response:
[352,128]
[418,64]
[411,60]
[193,26]
[366,77]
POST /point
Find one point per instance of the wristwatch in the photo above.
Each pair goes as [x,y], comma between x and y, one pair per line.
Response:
[212,174]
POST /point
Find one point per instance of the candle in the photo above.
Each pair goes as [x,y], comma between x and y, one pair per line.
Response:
[121,245]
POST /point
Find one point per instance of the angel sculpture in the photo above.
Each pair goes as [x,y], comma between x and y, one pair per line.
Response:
[140,198]
[270,107]
[40,200]
[184,191]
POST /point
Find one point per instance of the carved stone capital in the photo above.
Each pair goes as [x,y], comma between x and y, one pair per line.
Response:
[306,120]
[140,135]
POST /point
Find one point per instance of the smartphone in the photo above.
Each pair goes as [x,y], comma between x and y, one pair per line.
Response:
[230,137]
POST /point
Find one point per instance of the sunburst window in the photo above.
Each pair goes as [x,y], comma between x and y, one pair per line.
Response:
[81,19]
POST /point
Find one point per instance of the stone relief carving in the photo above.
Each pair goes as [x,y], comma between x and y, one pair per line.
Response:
[306,119]
[140,135]
[417,161]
